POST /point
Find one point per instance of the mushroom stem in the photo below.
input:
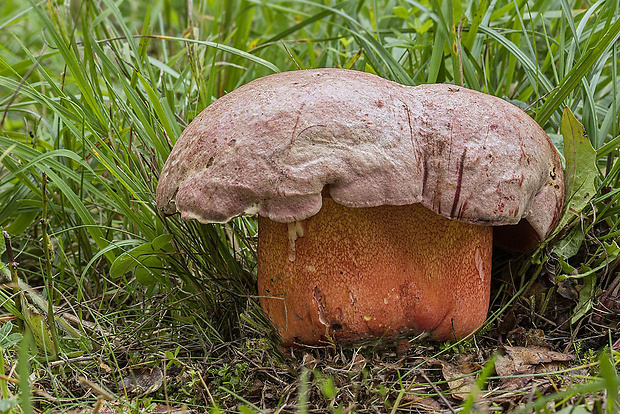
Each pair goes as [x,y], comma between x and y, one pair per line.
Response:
[374,272]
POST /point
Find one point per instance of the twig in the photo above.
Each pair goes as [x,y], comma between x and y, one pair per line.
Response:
[9,379]
[615,283]
[71,361]
[291,56]
[97,389]
[438,391]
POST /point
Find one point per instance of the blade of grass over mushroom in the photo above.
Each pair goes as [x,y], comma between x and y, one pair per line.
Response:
[583,66]
[225,48]
[532,71]
[318,17]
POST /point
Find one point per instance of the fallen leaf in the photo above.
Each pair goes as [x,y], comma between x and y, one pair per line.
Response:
[115,407]
[105,367]
[100,408]
[142,381]
[566,289]
[166,409]
[534,355]
[528,338]
[309,361]
[520,361]
[256,388]
[460,378]
[425,404]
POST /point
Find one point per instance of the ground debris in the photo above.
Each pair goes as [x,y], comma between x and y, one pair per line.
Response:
[460,376]
[116,407]
[515,366]
[142,381]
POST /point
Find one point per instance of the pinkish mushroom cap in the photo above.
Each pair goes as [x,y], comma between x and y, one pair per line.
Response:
[272,146]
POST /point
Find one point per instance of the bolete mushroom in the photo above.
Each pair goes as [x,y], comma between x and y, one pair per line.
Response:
[375,200]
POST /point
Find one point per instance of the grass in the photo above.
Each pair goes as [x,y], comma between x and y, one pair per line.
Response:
[93,95]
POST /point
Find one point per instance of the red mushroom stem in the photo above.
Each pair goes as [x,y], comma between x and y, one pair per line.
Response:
[357,273]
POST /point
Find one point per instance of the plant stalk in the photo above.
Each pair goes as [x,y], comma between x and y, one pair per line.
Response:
[17,294]
[47,248]
[3,385]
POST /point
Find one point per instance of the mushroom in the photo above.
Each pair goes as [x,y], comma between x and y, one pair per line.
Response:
[376,201]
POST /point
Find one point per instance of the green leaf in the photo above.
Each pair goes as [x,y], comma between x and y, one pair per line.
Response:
[146,259]
[37,325]
[148,270]
[7,339]
[5,330]
[401,12]
[580,170]
[585,297]
[7,403]
[610,376]
[569,245]
[21,223]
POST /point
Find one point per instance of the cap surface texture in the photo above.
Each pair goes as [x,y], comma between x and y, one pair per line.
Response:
[271,147]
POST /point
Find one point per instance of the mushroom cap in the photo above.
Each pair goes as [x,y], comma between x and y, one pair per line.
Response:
[273,145]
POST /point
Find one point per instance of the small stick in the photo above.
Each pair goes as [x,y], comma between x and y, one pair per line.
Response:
[291,55]
[439,394]
[9,379]
[97,389]
[71,361]
[13,266]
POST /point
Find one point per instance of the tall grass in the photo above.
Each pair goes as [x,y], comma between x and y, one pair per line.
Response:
[93,94]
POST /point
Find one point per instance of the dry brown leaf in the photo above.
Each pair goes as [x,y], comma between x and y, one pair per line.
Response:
[567,290]
[520,361]
[115,407]
[105,367]
[534,355]
[256,388]
[426,404]
[142,381]
[166,409]
[459,378]
[528,338]
[100,408]
[309,361]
